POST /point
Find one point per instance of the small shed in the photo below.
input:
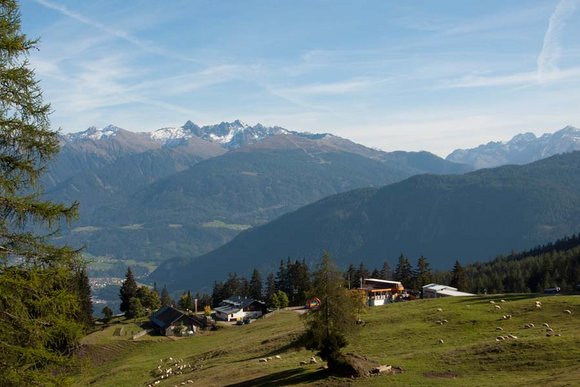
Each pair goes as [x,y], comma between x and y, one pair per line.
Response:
[235,308]
[170,321]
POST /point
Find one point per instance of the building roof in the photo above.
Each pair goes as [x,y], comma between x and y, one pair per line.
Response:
[446,290]
[235,304]
[166,316]
[382,281]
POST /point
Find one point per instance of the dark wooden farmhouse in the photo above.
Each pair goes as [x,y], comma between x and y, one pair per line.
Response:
[169,321]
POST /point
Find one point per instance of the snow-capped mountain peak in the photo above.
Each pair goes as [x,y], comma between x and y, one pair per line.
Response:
[521,149]
[94,133]
[229,134]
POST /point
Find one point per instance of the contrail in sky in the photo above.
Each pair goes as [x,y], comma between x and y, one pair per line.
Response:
[552,50]
[145,46]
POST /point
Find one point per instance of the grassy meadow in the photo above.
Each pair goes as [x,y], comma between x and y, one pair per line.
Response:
[406,335]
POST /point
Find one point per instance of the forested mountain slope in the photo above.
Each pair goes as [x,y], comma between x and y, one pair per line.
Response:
[467,217]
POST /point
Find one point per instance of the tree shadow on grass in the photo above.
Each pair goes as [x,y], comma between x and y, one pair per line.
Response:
[284,378]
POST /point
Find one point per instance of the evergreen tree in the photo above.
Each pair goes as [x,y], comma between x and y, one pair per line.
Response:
[38,306]
[328,327]
[423,276]
[386,272]
[128,290]
[186,301]
[282,277]
[350,277]
[86,303]
[255,288]
[165,297]
[458,277]
[404,271]
[361,274]
[376,273]
[270,287]
[218,293]
[135,309]
[108,314]
[279,300]
[149,298]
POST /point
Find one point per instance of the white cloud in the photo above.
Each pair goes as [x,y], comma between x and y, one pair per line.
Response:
[518,79]
[343,87]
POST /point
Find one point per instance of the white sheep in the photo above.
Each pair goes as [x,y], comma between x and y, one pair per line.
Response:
[546,325]
[302,363]
[568,311]
[513,337]
[502,300]
[441,341]
[278,357]
[439,310]
[444,321]
[498,328]
[497,307]
[549,330]
[492,302]
[269,358]
[313,360]
[263,360]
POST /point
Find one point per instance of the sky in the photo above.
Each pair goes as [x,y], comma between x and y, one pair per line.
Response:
[393,75]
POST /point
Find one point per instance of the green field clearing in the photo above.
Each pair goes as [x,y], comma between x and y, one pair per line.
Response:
[229,226]
[403,334]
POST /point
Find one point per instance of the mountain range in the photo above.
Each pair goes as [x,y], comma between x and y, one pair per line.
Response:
[188,190]
[521,149]
[447,217]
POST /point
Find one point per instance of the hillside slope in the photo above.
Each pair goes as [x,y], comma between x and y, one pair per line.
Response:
[466,217]
[404,334]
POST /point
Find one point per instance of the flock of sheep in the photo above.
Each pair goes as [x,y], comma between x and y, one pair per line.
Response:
[495,307]
[170,367]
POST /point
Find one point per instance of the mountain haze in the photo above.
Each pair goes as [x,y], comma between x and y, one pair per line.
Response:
[187,190]
[466,217]
[521,149]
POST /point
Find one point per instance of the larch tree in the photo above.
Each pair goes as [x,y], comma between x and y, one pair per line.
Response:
[39,298]
[328,327]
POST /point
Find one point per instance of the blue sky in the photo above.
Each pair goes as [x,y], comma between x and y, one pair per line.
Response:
[412,75]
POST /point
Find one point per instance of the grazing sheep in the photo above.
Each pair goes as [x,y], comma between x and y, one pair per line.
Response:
[512,337]
[269,358]
[538,306]
[546,325]
[498,328]
[263,360]
[439,310]
[497,306]
[557,334]
[527,326]
[302,363]
[500,338]
[439,322]
[568,311]
[548,335]
[549,330]
[441,341]
[278,357]
[313,360]
[492,302]
[502,300]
